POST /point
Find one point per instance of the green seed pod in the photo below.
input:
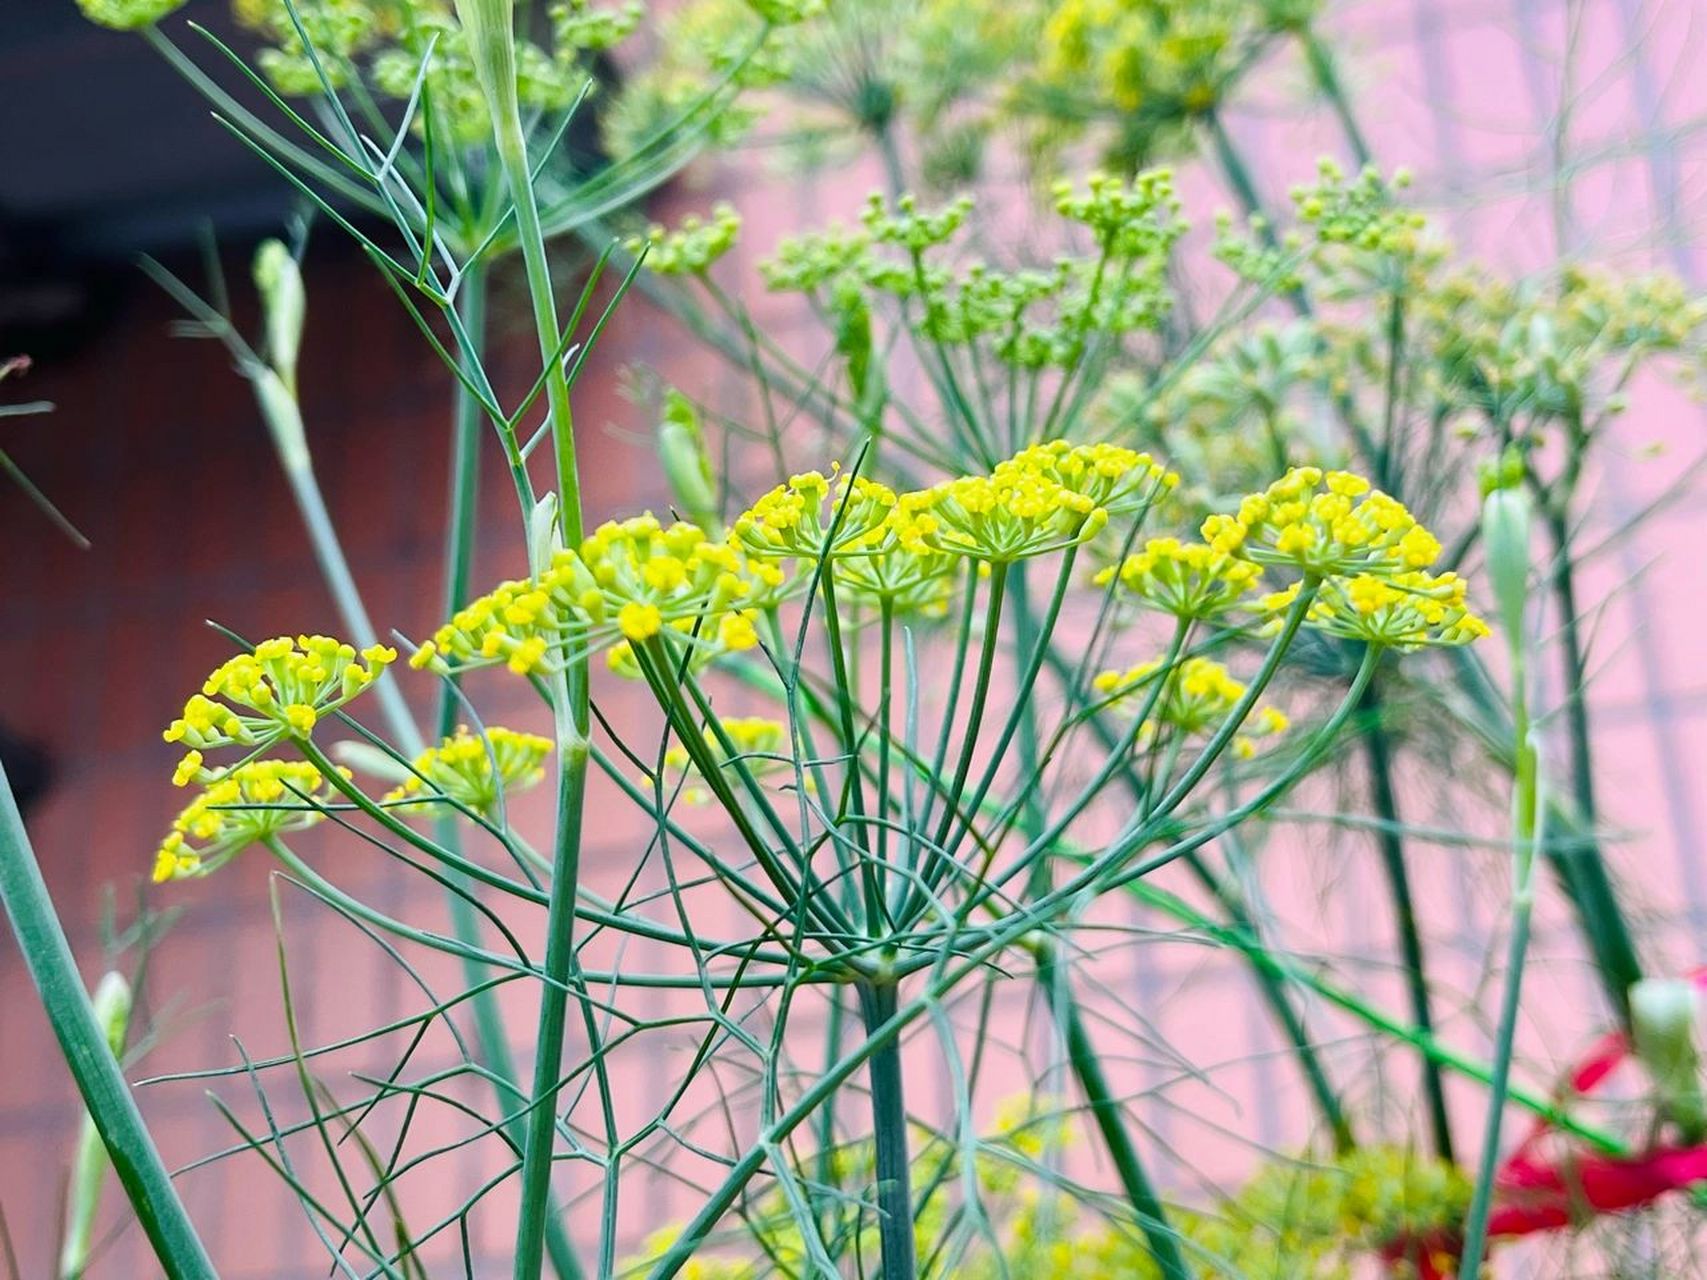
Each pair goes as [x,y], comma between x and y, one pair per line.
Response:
[285,304]
[1663,1013]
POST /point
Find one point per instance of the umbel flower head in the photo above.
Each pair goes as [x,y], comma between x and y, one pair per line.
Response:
[281,689]
[627,582]
[1404,611]
[1014,513]
[475,770]
[1198,695]
[692,247]
[237,808]
[1324,523]
[908,581]
[1190,580]
[811,517]
[1122,481]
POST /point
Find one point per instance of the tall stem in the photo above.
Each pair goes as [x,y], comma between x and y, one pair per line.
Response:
[284,422]
[1598,901]
[490,25]
[489,1028]
[1525,807]
[1272,987]
[889,1125]
[106,1096]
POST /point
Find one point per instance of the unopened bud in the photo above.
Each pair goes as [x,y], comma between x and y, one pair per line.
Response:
[127,15]
[1663,1015]
[112,1004]
[1506,518]
[687,465]
[284,304]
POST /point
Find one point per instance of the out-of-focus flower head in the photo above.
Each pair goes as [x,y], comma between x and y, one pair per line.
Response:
[475,770]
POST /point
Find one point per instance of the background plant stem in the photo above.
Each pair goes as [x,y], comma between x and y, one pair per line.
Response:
[106,1096]
[1377,752]
[1111,1121]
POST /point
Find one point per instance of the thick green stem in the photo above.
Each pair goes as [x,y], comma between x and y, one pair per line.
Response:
[1377,751]
[489,1029]
[541,1137]
[1110,1120]
[889,1124]
[106,1096]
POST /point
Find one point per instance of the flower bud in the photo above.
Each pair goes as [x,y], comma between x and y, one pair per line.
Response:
[687,466]
[127,15]
[1506,513]
[284,304]
[1663,1015]
[112,1004]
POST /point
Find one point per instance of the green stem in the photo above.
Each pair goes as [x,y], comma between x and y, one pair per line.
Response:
[1377,752]
[106,1096]
[1110,1120]
[541,1136]
[489,1029]
[1564,586]
[283,415]
[889,1124]
[494,38]
[1524,827]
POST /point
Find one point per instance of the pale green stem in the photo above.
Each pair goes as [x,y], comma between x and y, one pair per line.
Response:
[1525,808]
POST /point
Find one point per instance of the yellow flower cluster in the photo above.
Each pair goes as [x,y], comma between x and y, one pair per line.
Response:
[475,770]
[1121,481]
[812,517]
[1190,580]
[1367,555]
[1291,1221]
[1406,611]
[1324,523]
[999,518]
[902,548]
[625,584]
[238,808]
[281,689]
